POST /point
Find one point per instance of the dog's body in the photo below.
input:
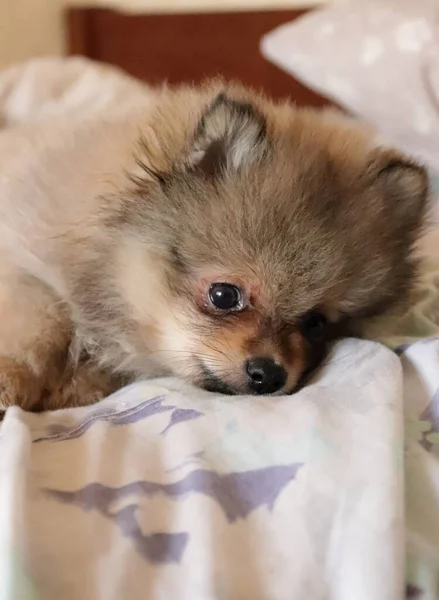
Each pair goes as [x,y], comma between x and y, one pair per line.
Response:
[211,234]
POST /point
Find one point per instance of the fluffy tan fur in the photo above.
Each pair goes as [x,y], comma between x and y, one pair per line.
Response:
[112,231]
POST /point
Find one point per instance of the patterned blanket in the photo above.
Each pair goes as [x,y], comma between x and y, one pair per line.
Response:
[164,491]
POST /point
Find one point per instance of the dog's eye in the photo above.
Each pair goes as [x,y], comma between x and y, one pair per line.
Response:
[225,296]
[313,323]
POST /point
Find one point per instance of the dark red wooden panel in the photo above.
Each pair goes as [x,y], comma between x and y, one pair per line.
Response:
[187,47]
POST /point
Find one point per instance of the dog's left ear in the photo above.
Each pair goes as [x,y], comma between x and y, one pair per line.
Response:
[229,135]
[404,183]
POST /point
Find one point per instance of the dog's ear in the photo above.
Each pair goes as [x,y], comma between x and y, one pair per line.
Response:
[229,135]
[404,184]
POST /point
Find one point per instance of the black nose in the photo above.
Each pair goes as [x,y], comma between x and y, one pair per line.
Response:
[264,375]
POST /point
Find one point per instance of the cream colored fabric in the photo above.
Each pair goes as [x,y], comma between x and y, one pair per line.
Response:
[377,58]
[164,491]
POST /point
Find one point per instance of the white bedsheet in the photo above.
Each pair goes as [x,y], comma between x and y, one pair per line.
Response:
[163,491]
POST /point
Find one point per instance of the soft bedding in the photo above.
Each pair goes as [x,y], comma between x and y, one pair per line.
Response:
[379,59]
[164,491]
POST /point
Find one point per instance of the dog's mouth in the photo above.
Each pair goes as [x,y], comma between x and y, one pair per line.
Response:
[212,383]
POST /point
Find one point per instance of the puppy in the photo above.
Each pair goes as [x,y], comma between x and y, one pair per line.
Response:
[210,234]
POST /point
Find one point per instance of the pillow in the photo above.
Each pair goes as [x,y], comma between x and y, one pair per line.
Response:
[378,59]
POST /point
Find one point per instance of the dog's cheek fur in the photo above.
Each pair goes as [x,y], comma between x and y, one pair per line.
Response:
[384,266]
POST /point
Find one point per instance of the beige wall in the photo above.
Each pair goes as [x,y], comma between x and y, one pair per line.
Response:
[29,28]
[214,5]
[35,27]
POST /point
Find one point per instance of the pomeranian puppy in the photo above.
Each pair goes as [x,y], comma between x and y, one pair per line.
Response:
[212,234]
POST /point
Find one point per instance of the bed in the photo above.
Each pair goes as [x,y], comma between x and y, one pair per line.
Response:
[187,47]
[163,491]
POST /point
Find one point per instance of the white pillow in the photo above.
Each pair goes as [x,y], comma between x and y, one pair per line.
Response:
[379,59]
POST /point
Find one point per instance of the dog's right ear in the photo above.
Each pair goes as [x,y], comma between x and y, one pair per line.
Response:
[229,135]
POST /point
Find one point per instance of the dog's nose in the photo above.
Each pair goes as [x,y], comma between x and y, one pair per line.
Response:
[265,376]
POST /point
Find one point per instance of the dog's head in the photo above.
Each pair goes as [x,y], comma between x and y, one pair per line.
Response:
[272,232]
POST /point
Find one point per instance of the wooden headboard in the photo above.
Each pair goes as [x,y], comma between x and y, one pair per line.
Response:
[187,47]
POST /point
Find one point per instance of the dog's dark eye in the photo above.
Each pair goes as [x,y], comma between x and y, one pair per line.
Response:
[225,296]
[313,323]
